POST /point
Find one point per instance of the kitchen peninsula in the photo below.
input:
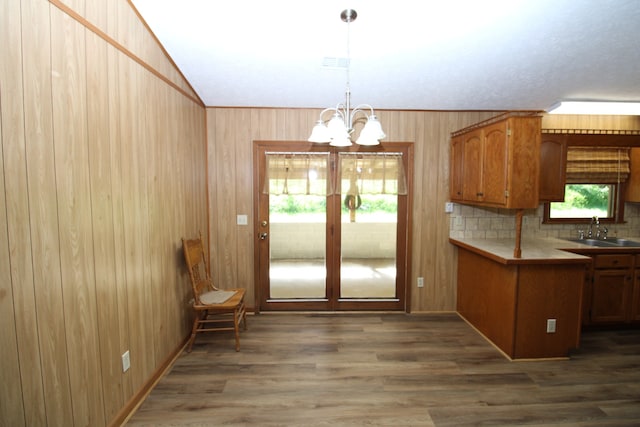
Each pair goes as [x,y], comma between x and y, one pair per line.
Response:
[530,306]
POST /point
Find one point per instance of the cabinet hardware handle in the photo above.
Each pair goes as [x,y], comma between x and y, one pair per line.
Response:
[479,194]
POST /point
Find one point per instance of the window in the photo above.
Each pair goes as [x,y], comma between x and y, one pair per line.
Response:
[595,178]
[584,201]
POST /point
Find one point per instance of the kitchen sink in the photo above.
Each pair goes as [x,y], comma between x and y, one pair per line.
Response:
[595,242]
[611,242]
[623,242]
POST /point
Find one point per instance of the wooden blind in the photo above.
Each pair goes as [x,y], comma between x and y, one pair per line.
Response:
[597,165]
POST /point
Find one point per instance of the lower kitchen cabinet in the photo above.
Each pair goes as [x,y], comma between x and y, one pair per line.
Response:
[635,296]
[611,295]
[614,290]
[513,304]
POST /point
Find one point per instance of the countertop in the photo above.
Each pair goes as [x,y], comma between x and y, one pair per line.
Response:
[537,251]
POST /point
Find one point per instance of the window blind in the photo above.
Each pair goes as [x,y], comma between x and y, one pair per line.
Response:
[297,174]
[597,165]
[371,173]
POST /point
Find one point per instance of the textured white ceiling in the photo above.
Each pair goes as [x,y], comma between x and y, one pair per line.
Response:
[405,54]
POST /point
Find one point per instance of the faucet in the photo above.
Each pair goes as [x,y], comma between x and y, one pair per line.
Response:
[594,221]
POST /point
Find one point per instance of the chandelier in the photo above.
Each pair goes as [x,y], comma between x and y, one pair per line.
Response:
[338,130]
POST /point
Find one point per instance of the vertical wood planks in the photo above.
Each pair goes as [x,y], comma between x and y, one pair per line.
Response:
[232,131]
[75,217]
[11,388]
[93,209]
[18,242]
[99,154]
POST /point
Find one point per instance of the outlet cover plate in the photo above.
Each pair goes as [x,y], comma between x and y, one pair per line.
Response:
[126,361]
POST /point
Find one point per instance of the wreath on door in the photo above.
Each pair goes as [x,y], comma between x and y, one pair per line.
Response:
[352,202]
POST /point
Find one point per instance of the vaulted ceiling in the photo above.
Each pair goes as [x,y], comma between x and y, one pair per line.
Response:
[405,54]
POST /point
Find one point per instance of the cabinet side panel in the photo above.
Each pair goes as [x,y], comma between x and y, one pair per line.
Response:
[486,297]
[548,292]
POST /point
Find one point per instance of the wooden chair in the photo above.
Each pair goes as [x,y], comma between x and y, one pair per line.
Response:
[215,309]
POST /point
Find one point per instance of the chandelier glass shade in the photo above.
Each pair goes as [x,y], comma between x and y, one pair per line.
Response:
[339,128]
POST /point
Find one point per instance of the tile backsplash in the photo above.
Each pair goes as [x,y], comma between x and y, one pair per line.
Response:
[493,223]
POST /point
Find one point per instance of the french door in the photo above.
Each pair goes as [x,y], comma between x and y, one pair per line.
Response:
[331,226]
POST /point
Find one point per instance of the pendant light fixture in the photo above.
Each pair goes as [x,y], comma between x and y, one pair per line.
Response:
[338,130]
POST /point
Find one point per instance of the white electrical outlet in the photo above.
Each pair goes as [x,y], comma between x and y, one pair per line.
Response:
[551,326]
[126,362]
[421,282]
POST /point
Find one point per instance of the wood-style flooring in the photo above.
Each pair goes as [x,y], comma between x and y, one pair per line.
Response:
[394,370]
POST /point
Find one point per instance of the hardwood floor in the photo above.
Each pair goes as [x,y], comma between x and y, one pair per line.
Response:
[392,370]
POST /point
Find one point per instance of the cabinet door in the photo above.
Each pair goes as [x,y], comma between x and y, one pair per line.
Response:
[635,299]
[587,296]
[457,169]
[633,183]
[553,167]
[472,165]
[494,165]
[611,295]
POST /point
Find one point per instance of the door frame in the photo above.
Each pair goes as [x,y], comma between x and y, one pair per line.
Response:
[403,252]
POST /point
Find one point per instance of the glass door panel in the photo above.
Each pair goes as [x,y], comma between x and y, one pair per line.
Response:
[297,247]
[368,246]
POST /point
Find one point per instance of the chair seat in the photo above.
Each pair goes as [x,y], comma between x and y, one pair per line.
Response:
[216,297]
[235,298]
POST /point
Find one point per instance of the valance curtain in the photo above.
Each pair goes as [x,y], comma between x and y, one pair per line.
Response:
[297,174]
[597,165]
[371,173]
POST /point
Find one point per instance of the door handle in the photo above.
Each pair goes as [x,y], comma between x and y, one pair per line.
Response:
[263,236]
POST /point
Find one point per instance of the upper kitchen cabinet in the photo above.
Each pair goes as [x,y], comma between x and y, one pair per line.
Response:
[553,167]
[497,162]
[633,183]
[457,155]
[582,156]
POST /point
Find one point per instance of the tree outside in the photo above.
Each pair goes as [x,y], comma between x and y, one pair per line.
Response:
[584,201]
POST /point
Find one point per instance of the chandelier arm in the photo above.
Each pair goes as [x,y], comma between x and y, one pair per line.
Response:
[361,109]
[324,111]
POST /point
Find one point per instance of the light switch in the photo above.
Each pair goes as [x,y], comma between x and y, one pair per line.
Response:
[241,219]
[448,207]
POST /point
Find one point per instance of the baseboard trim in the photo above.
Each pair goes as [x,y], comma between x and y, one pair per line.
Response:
[136,400]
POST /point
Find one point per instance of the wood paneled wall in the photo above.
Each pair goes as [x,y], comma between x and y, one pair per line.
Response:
[103,170]
[230,140]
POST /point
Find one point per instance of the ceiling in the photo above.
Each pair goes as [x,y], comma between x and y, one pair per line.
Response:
[405,54]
